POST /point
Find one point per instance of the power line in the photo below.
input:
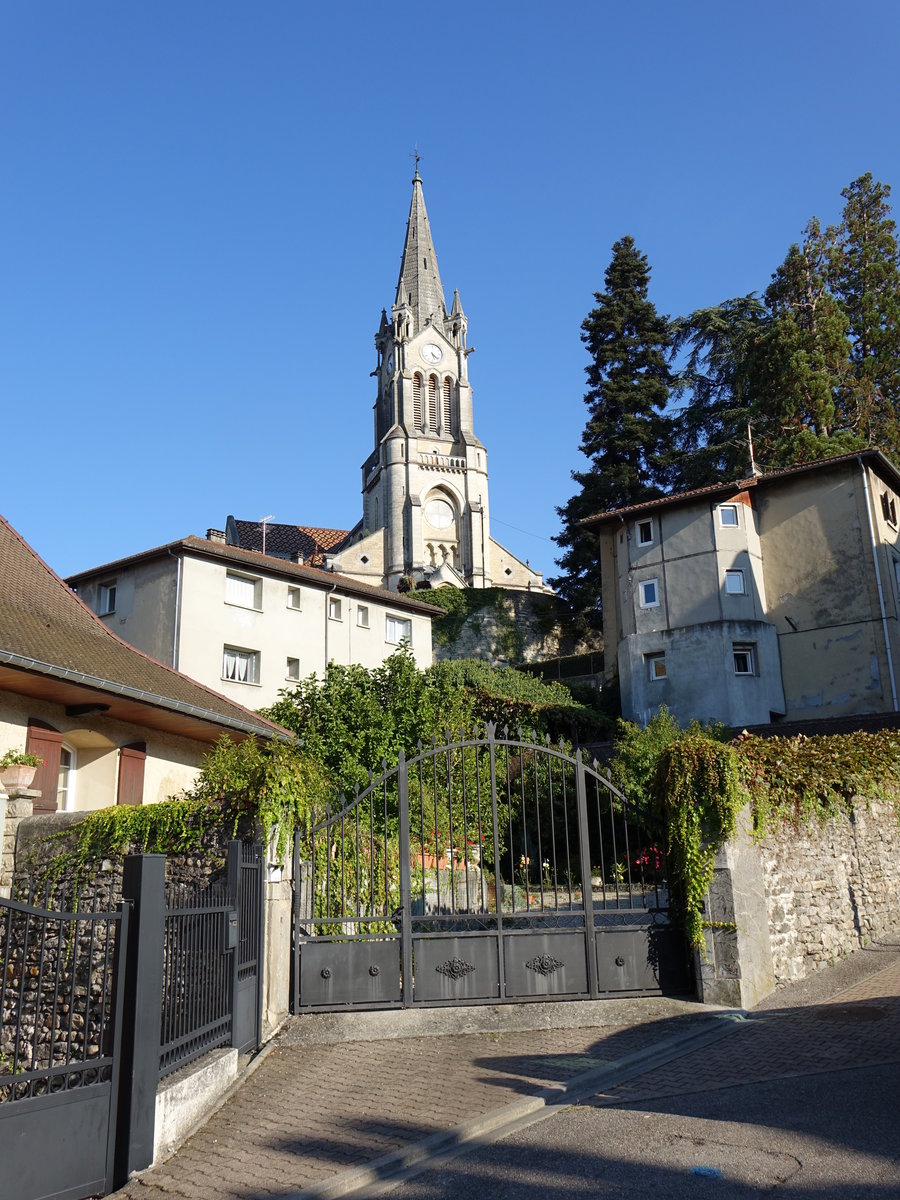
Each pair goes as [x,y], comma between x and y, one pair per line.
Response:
[527,532]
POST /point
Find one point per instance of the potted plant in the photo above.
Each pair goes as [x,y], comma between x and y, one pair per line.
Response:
[18,767]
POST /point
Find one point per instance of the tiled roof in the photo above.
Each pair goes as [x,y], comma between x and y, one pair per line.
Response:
[874,458]
[47,630]
[307,541]
[253,560]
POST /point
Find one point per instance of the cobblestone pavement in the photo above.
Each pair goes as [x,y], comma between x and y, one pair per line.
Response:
[311,1112]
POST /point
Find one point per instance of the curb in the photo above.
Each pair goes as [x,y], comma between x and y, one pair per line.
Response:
[389,1168]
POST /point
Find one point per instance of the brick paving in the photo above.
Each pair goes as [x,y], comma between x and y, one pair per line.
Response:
[859,1027]
[310,1112]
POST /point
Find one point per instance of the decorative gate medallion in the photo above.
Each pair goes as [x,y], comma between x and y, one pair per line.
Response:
[455,968]
[544,964]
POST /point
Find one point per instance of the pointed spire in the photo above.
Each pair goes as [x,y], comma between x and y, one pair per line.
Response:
[456,310]
[419,285]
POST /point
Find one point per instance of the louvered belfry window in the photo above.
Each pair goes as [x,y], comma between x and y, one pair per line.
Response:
[417,401]
[432,401]
[445,418]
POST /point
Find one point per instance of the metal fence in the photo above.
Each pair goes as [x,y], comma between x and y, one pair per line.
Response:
[197,973]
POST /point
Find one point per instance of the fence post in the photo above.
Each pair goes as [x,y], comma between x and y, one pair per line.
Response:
[405,883]
[584,839]
[143,887]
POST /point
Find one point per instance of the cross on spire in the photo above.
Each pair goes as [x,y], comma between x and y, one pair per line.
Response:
[417,156]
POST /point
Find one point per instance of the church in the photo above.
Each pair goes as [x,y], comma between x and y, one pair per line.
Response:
[425,507]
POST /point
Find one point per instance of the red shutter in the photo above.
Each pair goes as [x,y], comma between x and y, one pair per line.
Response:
[45,741]
[131,773]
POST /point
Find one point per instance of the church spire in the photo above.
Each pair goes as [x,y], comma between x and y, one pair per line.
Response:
[419,285]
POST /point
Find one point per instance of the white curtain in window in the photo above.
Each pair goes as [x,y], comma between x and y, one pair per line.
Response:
[398,629]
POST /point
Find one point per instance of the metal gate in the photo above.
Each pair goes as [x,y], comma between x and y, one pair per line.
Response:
[491,869]
[60,1038]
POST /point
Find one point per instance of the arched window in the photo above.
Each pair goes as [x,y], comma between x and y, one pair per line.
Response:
[445,417]
[417,401]
[432,402]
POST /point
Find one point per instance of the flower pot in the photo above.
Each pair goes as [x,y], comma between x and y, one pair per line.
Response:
[18,776]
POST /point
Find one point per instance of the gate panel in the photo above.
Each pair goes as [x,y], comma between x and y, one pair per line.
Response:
[452,970]
[350,972]
[496,868]
[248,865]
[545,964]
[60,1037]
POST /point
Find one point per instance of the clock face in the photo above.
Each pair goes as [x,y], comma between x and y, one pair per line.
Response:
[431,353]
[439,514]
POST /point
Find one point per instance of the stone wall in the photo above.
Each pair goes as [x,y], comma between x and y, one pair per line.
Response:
[786,905]
[832,888]
[15,806]
[505,627]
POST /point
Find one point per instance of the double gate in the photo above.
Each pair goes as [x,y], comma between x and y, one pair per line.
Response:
[490,869]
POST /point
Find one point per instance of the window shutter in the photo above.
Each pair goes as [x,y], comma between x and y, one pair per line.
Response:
[131,773]
[417,401]
[432,402]
[445,420]
[46,742]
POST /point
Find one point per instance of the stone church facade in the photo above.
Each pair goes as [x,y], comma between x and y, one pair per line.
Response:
[426,510]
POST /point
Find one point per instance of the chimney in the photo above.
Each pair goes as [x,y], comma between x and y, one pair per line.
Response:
[215,535]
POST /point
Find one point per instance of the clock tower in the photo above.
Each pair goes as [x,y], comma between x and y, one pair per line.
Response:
[426,514]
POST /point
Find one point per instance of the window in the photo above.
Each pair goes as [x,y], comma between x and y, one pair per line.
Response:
[649,589]
[397,629]
[432,402]
[243,590]
[292,669]
[417,400]
[445,416]
[889,508]
[734,582]
[295,597]
[240,666]
[645,533]
[107,598]
[334,608]
[362,616]
[744,656]
[65,788]
[656,665]
[728,515]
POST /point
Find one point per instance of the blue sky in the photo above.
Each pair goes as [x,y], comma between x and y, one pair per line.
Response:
[203,207]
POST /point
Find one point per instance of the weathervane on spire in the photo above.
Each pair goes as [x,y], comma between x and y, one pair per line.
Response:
[415,154]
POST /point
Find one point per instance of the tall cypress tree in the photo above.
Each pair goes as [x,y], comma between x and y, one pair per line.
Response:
[802,365]
[628,387]
[866,280]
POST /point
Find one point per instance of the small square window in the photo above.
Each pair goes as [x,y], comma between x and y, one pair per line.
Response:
[649,589]
[240,666]
[734,582]
[295,598]
[744,659]
[334,608]
[645,533]
[292,669]
[362,616]
[107,599]
[656,665]
[397,630]
[889,508]
[728,515]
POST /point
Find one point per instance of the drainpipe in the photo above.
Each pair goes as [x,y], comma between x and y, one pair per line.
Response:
[884,624]
[328,596]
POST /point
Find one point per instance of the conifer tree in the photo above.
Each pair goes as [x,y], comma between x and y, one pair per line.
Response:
[801,367]
[865,266]
[628,387]
[709,433]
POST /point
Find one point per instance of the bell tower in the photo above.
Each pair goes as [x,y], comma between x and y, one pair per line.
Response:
[425,485]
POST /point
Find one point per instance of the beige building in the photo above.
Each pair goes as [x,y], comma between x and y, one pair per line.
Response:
[249,624]
[426,509]
[772,597]
[113,725]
